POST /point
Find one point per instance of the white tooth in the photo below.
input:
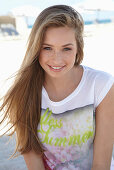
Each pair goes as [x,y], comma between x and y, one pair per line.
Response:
[56,67]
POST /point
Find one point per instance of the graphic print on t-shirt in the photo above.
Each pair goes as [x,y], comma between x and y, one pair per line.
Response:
[68,138]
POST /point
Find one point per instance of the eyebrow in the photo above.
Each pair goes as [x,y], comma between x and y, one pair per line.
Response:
[62,45]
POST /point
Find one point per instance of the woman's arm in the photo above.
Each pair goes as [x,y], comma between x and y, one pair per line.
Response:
[104,136]
[33,161]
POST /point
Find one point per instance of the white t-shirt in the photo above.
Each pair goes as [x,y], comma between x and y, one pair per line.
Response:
[67,127]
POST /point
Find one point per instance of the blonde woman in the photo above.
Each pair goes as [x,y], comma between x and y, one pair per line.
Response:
[62,112]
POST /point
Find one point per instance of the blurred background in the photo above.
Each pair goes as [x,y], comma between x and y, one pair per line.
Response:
[17,18]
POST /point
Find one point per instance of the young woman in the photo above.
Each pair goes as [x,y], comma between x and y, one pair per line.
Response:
[62,112]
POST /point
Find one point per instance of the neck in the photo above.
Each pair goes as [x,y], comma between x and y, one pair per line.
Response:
[61,83]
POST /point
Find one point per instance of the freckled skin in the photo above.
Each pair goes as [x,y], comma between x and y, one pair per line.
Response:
[58,50]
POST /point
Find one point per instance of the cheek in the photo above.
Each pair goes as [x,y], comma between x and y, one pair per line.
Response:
[42,58]
[39,58]
[71,57]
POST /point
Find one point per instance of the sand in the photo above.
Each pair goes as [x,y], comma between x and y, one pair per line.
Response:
[98,53]
[6,149]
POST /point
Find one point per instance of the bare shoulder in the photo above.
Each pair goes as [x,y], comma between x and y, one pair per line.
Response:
[33,161]
[105,110]
[104,135]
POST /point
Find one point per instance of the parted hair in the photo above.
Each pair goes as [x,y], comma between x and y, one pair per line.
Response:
[22,102]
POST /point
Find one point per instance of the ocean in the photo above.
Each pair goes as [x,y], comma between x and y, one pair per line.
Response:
[101,21]
[89,17]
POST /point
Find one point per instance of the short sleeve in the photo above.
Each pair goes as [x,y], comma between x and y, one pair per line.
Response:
[103,84]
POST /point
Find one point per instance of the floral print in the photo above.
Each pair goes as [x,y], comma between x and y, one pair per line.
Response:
[68,138]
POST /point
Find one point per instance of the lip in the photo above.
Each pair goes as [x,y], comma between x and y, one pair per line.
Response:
[56,70]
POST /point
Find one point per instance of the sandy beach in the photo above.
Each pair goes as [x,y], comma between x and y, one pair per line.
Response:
[98,54]
[6,149]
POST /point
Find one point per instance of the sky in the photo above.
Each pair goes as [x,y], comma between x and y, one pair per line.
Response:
[7,5]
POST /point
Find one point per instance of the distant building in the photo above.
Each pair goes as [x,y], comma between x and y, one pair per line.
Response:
[7,20]
[10,25]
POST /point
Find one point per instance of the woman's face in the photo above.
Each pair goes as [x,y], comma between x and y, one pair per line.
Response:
[58,53]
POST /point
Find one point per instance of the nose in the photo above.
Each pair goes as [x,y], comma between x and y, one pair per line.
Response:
[56,56]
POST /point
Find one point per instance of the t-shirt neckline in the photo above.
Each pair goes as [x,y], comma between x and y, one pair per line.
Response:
[70,96]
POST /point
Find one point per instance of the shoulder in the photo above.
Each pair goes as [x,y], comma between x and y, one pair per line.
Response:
[107,104]
[98,75]
[103,83]
[100,81]
[104,136]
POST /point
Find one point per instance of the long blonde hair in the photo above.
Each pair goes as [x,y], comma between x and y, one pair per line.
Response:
[22,102]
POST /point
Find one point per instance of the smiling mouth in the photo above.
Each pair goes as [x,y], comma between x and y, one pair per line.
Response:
[56,68]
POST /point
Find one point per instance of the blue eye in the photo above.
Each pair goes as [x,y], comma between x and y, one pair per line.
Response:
[67,49]
[47,48]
